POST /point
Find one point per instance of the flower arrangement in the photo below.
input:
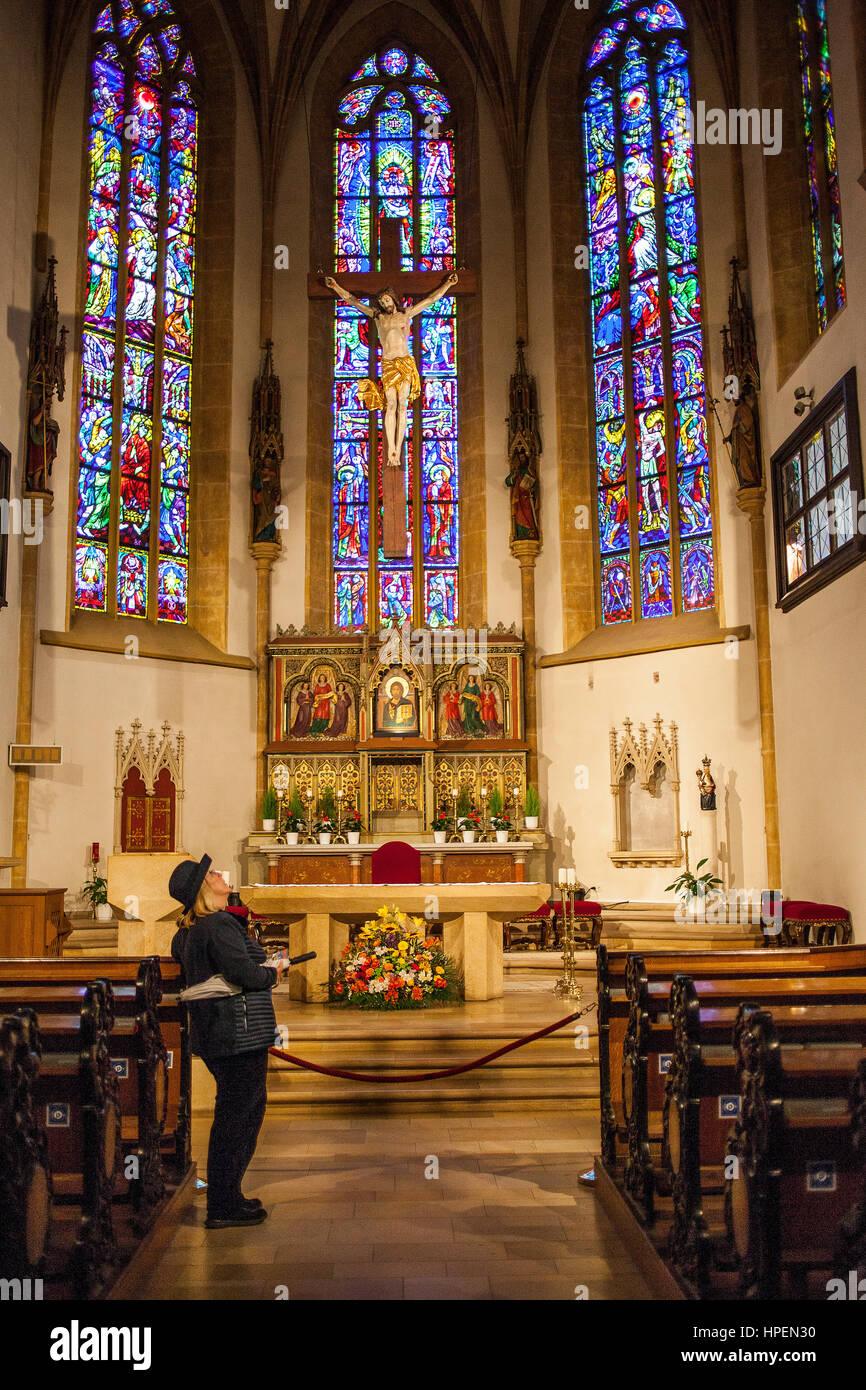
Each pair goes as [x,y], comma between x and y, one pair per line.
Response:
[326,821]
[352,819]
[442,819]
[471,821]
[325,825]
[393,965]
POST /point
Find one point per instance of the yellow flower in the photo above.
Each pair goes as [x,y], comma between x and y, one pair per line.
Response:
[438,970]
[403,946]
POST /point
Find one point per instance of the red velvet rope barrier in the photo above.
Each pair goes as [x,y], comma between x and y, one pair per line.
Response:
[431,1075]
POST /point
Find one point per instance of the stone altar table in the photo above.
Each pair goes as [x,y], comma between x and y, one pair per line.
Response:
[471,915]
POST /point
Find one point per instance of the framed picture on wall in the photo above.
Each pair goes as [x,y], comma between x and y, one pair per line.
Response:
[5,481]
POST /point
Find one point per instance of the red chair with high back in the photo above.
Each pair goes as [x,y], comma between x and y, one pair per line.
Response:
[395,862]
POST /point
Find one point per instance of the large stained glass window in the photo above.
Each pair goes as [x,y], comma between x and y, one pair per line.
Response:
[394,160]
[655,525]
[819,125]
[132,529]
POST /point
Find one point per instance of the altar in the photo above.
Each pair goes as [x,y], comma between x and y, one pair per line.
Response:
[471,914]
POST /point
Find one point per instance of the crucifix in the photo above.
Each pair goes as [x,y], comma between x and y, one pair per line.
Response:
[400,383]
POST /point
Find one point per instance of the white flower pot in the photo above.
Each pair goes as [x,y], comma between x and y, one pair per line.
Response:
[468,837]
[531,822]
[440,837]
[502,837]
[104,912]
[291,837]
[353,836]
[324,837]
[269,826]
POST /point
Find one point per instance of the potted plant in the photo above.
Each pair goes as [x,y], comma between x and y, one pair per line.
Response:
[498,819]
[531,809]
[693,889]
[295,819]
[96,891]
[352,823]
[441,822]
[269,811]
[327,820]
[468,819]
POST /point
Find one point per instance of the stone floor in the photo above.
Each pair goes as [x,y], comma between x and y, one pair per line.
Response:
[354,1214]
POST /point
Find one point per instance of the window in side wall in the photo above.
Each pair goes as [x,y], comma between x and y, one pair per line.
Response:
[818,513]
[5,481]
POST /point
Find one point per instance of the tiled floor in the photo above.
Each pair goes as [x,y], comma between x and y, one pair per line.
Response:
[354,1214]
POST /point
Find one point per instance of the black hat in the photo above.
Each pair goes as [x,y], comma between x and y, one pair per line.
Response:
[187,879]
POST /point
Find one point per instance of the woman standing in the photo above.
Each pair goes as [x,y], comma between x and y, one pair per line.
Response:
[231,1028]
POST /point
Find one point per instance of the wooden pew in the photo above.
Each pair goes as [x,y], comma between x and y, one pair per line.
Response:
[702,1101]
[649,1047]
[74,1094]
[138,1058]
[161,983]
[798,1173]
[613,1005]
[25,1177]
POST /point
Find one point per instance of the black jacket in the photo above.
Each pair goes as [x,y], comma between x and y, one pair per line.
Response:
[220,945]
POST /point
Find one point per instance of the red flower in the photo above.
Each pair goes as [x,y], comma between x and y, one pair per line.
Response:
[440,981]
[417,993]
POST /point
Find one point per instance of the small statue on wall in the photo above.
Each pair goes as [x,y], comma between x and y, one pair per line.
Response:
[45,375]
[742,372]
[707,786]
[524,447]
[523,482]
[266,451]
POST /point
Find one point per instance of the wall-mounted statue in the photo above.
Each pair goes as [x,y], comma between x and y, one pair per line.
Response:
[266,450]
[45,375]
[742,370]
[707,786]
[524,448]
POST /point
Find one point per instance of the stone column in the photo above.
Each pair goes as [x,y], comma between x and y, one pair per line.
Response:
[23,718]
[526,553]
[264,553]
[750,500]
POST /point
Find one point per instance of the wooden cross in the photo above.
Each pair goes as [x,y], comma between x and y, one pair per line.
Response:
[405,283]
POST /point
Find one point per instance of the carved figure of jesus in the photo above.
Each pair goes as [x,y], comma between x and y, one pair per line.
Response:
[400,381]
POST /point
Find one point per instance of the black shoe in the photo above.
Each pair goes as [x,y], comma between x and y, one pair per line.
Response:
[251,1204]
[242,1217]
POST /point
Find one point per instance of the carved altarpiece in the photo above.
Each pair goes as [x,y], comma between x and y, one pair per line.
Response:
[395,736]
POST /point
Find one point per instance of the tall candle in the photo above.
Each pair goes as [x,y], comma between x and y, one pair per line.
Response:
[572,878]
[561,877]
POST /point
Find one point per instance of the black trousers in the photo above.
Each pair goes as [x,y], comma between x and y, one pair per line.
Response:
[241,1098]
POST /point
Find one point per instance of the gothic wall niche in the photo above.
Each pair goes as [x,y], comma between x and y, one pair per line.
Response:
[148,791]
[645,787]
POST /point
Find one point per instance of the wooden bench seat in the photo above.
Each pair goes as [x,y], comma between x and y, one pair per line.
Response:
[649,1048]
[662,965]
[797,1171]
[702,1102]
[155,982]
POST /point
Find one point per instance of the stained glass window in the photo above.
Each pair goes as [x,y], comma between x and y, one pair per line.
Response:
[394,162]
[819,127]
[132,532]
[654,513]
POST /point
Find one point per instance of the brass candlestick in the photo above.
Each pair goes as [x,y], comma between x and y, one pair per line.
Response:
[686,836]
[567,986]
[339,838]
